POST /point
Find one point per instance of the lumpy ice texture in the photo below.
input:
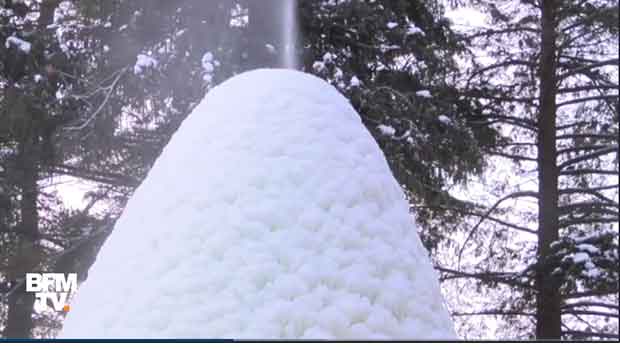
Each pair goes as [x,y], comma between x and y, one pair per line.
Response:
[272,213]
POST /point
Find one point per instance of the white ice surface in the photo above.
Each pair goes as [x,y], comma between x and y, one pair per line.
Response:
[272,213]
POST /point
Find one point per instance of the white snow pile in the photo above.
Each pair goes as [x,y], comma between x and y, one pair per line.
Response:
[320,65]
[444,119]
[579,257]
[20,44]
[144,62]
[386,130]
[413,29]
[424,93]
[272,213]
[208,63]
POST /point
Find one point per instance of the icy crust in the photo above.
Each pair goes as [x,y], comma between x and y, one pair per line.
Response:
[272,213]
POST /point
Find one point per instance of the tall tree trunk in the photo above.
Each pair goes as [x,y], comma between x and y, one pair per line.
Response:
[548,315]
[25,125]
[21,303]
[19,319]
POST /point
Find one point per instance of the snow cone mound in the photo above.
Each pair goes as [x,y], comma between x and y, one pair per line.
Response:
[272,213]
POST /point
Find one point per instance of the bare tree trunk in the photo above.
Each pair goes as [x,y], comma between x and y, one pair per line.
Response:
[548,313]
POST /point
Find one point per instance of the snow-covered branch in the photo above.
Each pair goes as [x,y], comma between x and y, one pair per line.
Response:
[588,156]
[586,99]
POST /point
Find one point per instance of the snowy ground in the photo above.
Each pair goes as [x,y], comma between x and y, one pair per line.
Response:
[272,213]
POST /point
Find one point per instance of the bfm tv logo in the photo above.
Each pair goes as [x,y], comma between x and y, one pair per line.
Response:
[61,285]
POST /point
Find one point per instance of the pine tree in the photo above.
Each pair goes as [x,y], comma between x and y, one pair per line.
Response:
[48,84]
[551,89]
